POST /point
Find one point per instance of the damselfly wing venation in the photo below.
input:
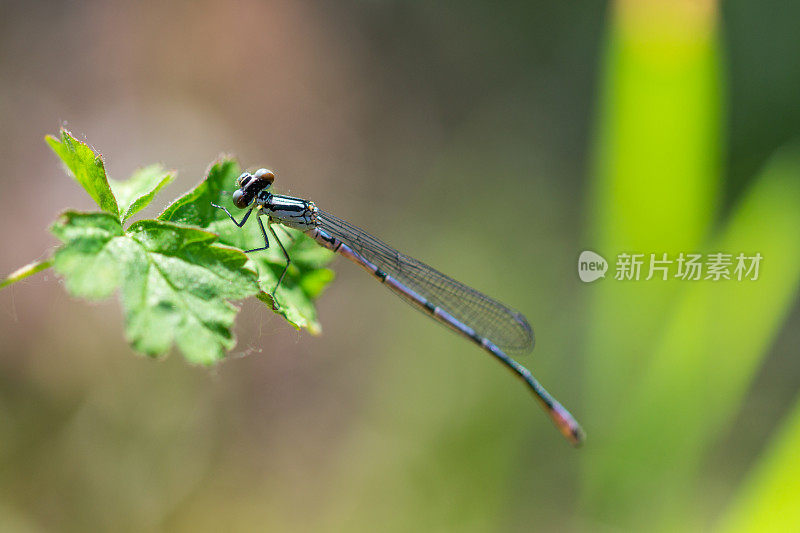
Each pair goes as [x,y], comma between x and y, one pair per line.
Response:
[496,328]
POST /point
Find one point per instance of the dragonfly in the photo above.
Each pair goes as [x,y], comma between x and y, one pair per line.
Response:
[494,327]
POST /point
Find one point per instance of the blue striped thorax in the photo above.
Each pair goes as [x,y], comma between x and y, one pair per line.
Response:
[293,212]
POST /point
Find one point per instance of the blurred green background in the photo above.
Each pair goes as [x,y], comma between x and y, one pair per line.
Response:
[459,132]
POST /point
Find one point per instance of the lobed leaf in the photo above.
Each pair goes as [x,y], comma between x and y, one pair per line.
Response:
[88,260]
[175,281]
[138,191]
[86,167]
[195,207]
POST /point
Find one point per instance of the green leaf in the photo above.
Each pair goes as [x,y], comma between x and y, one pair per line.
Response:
[138,191]
[89,257]
[175,281]
[87,169]
[194,207]
[315,281]
[306,278]
[28,270]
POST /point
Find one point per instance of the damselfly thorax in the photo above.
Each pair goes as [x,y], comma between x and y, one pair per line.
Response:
[496,328]
[292,212]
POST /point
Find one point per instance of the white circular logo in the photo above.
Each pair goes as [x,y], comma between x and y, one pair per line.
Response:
[591,266]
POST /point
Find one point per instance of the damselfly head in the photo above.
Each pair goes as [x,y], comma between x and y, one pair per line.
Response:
[250,185]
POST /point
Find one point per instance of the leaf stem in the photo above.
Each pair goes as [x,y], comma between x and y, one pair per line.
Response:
[28,270]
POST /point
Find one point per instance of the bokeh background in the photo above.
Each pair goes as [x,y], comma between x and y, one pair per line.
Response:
[495,141]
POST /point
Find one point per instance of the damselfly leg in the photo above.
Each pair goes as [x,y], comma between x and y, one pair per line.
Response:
[240,224]
[275,304]
[266,240]
[285,268]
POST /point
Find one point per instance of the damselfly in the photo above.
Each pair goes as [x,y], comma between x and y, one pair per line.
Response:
[489,324]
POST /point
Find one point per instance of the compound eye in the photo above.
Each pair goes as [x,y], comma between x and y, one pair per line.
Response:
[242,179]
[239,199]
[264,175]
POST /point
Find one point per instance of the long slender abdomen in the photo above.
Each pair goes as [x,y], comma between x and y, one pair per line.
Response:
[563,420]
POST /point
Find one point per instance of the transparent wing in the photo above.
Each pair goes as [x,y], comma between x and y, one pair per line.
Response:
[505,327]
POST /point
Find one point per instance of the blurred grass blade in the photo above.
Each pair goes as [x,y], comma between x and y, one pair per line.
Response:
[699,371]
[656,179]
[656,176]
[768,500]
[28,270]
